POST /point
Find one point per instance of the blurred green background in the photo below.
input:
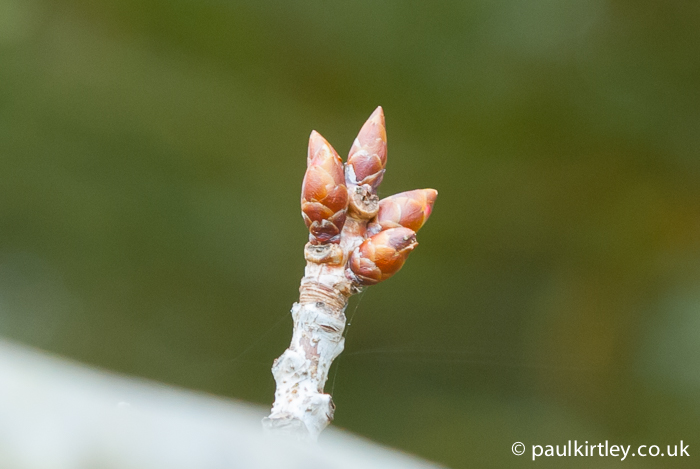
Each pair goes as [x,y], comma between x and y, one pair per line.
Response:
[151,158]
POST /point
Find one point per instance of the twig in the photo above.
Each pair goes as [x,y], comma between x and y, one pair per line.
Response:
[355,240]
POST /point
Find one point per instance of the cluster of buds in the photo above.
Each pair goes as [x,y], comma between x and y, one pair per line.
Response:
[354,240]
[382,233]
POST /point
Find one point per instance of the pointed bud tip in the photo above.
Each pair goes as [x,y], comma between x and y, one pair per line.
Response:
[373,128]
[317,144]
[316,139]
[430,196]
[377,116]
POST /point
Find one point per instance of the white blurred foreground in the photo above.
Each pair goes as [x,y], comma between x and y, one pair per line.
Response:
[56,414]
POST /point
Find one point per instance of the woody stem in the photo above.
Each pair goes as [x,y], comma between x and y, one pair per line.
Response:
[301,408]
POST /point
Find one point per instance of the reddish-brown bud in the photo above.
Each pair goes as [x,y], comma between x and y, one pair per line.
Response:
[382,255]
[408,209]
[324,197]
[367,157]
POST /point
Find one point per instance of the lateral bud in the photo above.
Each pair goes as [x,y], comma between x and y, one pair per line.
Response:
[367,158]
[382,255]
[324,196]
[409,209]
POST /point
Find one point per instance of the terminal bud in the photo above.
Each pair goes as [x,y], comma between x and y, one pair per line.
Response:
[324,196]
[367,157]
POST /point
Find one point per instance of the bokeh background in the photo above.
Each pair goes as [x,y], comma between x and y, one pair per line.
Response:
[151,158]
